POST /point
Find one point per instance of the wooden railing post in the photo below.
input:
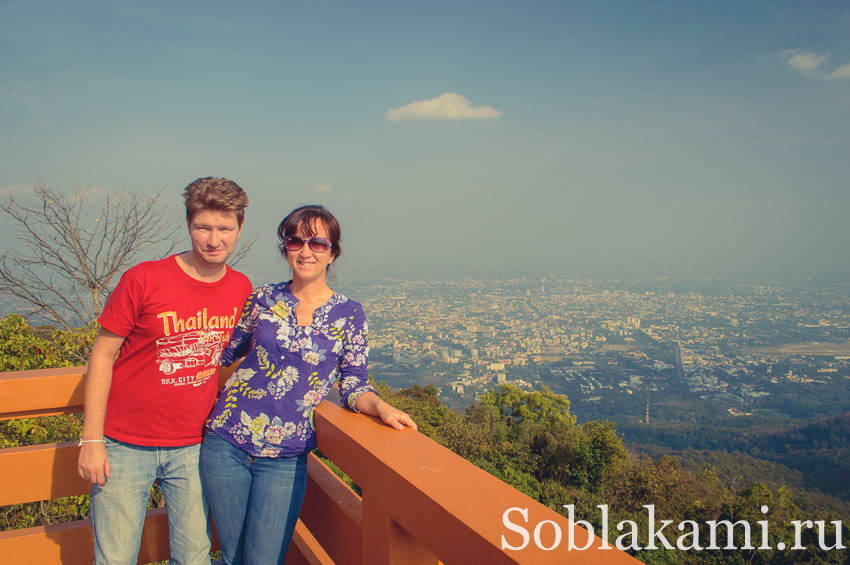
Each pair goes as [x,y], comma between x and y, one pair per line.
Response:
[385,542]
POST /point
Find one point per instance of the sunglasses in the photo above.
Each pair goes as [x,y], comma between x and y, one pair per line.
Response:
[316,244]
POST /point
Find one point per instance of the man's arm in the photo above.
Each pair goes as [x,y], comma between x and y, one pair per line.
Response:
[93,463]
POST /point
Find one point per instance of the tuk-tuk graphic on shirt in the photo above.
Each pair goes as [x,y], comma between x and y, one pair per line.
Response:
[188,351]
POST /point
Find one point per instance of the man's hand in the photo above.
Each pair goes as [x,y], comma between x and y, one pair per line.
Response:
[93,463]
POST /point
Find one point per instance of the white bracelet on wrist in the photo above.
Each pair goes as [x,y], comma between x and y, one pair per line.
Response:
[82,441]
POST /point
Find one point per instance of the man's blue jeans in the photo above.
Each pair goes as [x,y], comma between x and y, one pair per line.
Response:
[255,501]
[118,508]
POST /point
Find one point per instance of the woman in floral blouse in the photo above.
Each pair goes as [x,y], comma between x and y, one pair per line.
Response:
[297,338]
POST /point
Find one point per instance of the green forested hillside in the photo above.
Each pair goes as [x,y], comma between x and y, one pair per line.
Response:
[820,450]
[742,470]
[530,440]
[814,455]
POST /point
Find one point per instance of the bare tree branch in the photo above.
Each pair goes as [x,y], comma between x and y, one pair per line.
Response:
[243,250]
[70,247]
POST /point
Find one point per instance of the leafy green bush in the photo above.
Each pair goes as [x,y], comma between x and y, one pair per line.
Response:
[23,348]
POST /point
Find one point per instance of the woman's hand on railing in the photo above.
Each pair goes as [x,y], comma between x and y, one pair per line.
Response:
[395,418]
[372,404]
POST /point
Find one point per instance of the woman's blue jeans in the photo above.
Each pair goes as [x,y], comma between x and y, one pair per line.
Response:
[255,501]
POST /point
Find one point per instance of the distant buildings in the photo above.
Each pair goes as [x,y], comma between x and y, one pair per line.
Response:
[596,338]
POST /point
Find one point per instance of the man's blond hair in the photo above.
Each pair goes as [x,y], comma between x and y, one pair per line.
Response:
[211,193]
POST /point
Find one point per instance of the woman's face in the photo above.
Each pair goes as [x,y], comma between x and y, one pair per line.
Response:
[308,265]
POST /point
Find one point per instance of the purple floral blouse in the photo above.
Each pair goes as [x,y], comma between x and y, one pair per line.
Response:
[266,407]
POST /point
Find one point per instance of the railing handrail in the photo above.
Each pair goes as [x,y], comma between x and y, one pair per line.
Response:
[420,501]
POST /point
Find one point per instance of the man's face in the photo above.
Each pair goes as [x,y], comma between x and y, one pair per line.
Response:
[214,234]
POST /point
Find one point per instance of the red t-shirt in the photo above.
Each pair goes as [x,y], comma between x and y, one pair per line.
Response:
[165,377]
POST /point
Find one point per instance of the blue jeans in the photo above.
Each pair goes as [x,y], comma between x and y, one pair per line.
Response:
[255,501]
[118,508]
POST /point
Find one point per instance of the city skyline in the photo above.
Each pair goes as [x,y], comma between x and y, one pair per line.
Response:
[539,136]
[741,346]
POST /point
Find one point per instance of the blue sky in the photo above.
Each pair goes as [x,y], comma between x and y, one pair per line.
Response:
[512,136]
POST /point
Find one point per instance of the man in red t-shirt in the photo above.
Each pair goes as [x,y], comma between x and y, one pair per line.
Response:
[152,380]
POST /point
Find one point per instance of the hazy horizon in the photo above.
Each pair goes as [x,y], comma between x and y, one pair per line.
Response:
[519,137]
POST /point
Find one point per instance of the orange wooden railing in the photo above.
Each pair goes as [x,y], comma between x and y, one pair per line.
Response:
[420,503]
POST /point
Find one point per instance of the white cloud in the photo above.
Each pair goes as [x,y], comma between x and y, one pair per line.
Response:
[806,62]
[811,64]
[16,189]
[447,106]
[322,188]
[841,72]
[97,191]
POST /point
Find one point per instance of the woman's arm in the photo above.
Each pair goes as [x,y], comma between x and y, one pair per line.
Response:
[354,388]
[370,403]
[240,339]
